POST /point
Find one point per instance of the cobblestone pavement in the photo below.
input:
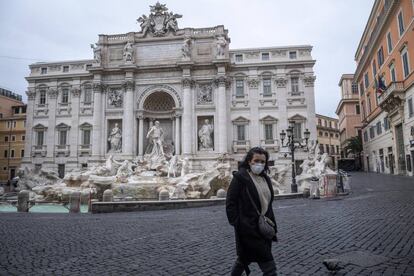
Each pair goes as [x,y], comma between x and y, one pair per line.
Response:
[371,231]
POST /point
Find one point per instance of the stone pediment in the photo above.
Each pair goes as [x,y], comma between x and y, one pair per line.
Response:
[297,117]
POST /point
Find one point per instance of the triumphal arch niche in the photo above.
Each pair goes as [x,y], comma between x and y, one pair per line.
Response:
[162,104]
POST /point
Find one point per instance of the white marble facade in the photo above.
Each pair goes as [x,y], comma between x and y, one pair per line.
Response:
[179,77]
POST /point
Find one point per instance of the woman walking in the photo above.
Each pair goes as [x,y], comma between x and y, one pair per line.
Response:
[249,210]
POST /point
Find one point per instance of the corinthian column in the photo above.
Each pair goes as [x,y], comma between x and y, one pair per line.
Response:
[128,120]
[141,135]
[187,125]
[222,127]
[97,126]
[177,135]
[31,98]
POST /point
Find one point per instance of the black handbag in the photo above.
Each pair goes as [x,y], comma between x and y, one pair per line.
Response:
[266,225]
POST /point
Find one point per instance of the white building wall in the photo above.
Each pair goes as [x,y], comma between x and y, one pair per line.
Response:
[408,128]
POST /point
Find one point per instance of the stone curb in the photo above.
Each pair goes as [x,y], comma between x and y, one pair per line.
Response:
[136,206]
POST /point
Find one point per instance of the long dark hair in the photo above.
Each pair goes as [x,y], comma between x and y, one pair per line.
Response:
[249,157]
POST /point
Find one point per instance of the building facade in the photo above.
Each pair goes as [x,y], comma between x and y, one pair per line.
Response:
[328,136]
[385,78]
[348,111]
[207,98]
[12,134]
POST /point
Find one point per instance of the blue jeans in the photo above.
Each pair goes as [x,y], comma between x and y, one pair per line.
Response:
[268,268]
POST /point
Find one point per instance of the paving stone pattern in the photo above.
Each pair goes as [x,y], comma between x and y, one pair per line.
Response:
[371,231]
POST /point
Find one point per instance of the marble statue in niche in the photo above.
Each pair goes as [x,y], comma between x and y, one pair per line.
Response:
[205,136]
[115,140]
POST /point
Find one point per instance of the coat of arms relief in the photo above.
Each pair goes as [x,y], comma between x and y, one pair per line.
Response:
[159,22]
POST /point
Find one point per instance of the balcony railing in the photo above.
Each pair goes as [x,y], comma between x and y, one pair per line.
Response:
[64,108]
[240,99]
[241,145]
[85,149]
[41,108]
[395,89]
[39,150]
[62,150]
[267,97]
[270,144]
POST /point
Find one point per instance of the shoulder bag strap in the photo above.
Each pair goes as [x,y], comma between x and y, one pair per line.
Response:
[251,200]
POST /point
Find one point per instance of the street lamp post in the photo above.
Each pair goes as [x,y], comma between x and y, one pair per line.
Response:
[292,145]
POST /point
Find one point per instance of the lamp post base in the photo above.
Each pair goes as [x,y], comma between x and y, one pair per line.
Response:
[294,188]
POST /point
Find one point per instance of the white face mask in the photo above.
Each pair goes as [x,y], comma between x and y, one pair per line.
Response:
[257,168]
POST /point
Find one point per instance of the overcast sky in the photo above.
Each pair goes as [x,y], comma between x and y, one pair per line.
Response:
[50,30]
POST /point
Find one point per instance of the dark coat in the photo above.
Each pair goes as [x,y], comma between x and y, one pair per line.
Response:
[250,245]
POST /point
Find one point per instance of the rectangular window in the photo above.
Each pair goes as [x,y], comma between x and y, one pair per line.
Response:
[389,42]
[40,136]
[86,137]
[400,23]
[337,149]
[361,88]
[386,124]
[88,95]
[267,87]
[6,138]
[62,137]
[369,104]
[371,132]
[265,56]
[8,124]
[268,132]
[295,85]
[241,132]
[292,55]
[357,109]
[380,56]
[406,65]
[354,88]
[239,58]
[297,131]
[23,137]
[65,69]
[42,97]
[239,88]
[12,153]
[65,95]
[410,107]
[374,69]
[392,72]
[366,80]
[365,136]
[43,71]
[13,138]
[22,153]
[14,124]
[379,128]
[6,154]
[327,149]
